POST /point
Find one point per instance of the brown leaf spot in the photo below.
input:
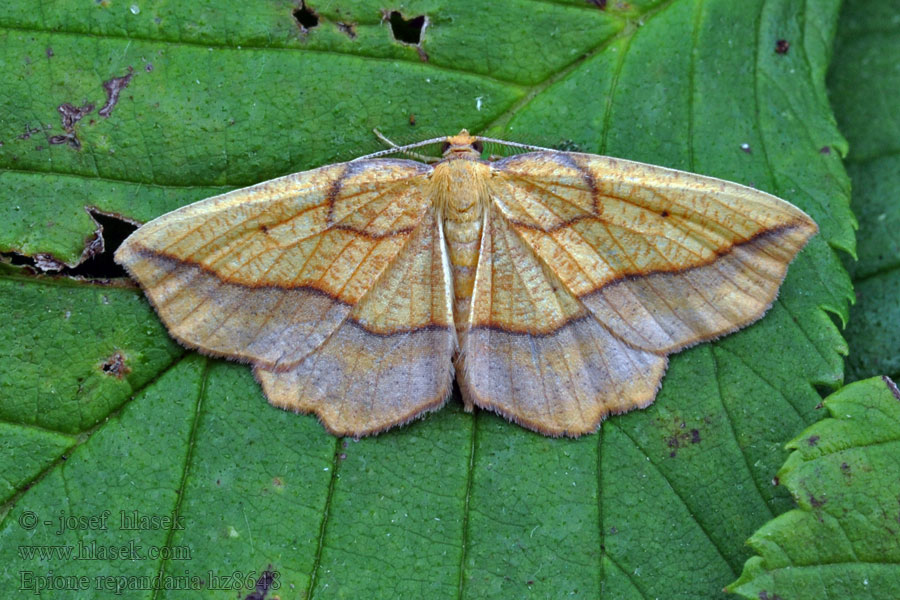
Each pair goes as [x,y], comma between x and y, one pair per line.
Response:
[29,131]
[348,29]
[62,139]
[815,502]
[113,88]
[782,47]
[115,365]
[277,482]
[70,114]
[681,437]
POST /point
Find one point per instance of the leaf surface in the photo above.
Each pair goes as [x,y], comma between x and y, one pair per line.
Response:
[842,541]
[864,85]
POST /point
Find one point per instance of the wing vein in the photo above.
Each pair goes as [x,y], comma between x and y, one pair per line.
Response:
[547,191]
[538,369]
[379,194]
[652,315]
[690,284]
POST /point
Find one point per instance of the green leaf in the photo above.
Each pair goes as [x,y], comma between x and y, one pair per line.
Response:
[865,84]
[656,504]
[843,540]
[66,340]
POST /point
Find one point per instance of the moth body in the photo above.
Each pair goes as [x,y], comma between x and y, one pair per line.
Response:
[460,191]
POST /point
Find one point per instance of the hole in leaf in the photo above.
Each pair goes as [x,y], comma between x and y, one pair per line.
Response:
[96,260]
[306,17]
[101,264]
[407,31]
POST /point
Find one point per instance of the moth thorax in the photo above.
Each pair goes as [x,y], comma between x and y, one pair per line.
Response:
[461,197]
[459,189]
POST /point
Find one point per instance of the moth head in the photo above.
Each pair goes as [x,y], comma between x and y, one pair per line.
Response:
[462,145]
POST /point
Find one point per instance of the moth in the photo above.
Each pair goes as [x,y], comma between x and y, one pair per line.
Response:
[553,285]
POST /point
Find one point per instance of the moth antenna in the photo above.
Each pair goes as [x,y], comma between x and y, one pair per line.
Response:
[395,148]
[516,144]
[511,150]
